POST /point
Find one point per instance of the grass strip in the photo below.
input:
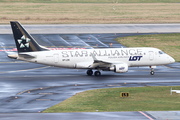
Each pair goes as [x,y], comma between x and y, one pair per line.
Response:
[87,13]
[141,99]
[93,1]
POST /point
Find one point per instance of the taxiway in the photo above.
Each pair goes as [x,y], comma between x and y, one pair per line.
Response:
[31,88]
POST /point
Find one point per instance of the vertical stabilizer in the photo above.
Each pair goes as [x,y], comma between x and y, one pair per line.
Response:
[24,41]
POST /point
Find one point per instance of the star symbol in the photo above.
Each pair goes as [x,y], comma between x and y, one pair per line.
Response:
[24,42]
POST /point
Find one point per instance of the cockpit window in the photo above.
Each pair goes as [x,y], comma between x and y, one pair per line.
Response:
[161,52]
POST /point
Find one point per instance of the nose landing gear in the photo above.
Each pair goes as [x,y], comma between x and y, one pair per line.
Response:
[152,69]
[152,72]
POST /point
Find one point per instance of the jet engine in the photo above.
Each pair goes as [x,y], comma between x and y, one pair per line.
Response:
[119,68]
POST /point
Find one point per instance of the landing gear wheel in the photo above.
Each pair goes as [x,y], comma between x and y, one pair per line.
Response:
[97,73]
[89,72]
[152,72]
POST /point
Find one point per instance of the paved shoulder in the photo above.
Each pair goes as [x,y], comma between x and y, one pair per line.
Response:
[77,116]
[165,115]
[96,28]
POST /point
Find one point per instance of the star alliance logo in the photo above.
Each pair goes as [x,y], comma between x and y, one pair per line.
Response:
[23,42]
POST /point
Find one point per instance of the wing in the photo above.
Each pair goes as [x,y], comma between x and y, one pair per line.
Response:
[101,63]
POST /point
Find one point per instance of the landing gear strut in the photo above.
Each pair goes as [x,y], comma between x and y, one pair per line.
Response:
[89,72]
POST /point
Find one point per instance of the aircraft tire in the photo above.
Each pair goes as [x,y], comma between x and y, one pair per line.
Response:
[89,72]
[97,73]
[152,72]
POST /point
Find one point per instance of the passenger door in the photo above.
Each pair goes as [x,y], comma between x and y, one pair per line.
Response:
[56,58]
[151,55]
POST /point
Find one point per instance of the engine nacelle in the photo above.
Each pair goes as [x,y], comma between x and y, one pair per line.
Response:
[119,68]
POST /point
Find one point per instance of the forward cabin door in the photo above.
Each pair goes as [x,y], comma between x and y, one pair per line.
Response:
[56,58]
[151,55]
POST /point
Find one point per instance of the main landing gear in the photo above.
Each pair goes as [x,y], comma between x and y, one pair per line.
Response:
[90,72]
[97,73]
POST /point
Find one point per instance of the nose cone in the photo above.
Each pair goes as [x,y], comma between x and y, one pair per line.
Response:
[171,59]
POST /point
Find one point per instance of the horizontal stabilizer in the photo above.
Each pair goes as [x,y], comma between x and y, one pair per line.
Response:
[14,56]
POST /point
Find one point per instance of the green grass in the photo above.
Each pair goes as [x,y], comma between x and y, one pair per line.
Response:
[93,1]
[141,99]
[169,43]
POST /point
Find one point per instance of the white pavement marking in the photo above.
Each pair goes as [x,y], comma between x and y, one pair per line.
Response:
[85,44]
[68,44]
[42,37]
[15,62]
[24,70]
[76,41]
[99,41]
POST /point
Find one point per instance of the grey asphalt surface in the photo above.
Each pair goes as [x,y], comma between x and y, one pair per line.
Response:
[76,116]
[31,88]
[96,28]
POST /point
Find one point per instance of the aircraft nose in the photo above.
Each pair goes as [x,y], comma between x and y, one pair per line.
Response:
[171,59]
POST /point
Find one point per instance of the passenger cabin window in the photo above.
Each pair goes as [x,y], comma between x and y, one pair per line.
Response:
[161,52]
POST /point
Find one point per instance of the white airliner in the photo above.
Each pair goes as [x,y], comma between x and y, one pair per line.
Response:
[108,59]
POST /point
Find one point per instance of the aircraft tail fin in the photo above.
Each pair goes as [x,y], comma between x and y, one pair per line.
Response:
[24,41]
